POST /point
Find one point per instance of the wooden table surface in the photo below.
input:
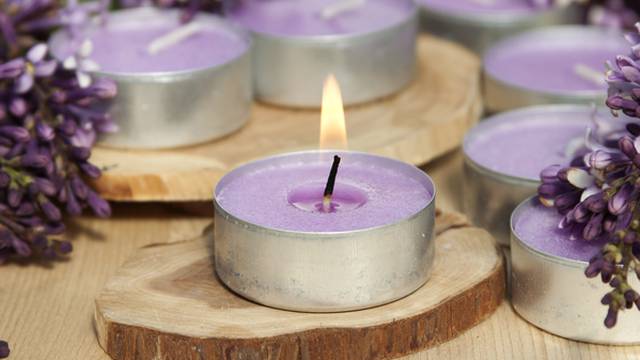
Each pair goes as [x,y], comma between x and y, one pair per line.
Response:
[46,310]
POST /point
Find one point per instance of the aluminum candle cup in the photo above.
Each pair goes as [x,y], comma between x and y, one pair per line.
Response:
[478,25]
[549,288]
[563,64]
[370,49]
[276,245]
[504,156]
[196,90]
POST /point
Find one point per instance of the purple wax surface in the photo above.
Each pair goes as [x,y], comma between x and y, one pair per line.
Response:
[370,191]
[546,60]
[296,18]
[473,7]
[537,226]
[521,143]
[121,45]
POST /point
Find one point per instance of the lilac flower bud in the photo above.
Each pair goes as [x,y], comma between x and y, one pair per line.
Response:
[65,247]
[49,210]
[595,203]
[54,228]
[45,186]
[79,188]
[103,88]
[623,221]
[12,69]
[565,202]
[73,206]
[630,73]
[80,153]
[612,317]
[4,349]
[16,133]
[14,198]
[550,173]
[633,128]
[34,160]
[593,228]
[620,201]
[5,179]
[607,299]
[18,107]
[21,247]
[90,170]
[25,209]
[99,206]
[580,213]
[44,131]
[40,241]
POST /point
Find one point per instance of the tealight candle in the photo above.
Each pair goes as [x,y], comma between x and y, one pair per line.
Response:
[368,44]
[563,64]
[178,84]
[478,24]
[278,244]
[324,231]
[505,154]
[549,288]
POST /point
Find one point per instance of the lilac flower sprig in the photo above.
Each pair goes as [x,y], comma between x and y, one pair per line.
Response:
[598,194]
[48,125]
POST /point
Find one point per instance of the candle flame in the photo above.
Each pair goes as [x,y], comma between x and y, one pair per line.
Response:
[333,131]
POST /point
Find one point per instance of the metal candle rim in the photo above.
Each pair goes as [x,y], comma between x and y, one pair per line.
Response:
[569,95]
[547,256]
[328,234]
[165,76]
[499,19]
[519,180]
[330,39]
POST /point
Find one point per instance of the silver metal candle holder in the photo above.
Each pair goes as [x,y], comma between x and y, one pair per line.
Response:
[479,32]
[178,108]
[552,293]
[324,272]
[290,70]
[502,96]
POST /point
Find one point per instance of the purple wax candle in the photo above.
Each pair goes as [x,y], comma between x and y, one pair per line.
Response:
[549,288]
[178,84]
[309,18]
[552,65]
[505,154]
[287,195]
[537,227]
[520,144]
[478,24]
[369,45]
[121,46]
[279,243]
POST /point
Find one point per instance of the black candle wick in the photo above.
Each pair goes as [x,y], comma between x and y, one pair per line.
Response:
[331,182]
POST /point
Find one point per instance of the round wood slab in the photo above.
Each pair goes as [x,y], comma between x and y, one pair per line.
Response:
[426,120]
[166,303]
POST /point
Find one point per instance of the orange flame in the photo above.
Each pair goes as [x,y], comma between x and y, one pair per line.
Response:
[333,131]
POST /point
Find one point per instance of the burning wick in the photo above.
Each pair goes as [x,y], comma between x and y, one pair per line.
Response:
[588,73]
[337,8]
[174,37]
[331,182]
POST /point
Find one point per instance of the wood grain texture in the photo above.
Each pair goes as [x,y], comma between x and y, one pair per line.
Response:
[424,121]
[166,303]
[46,312]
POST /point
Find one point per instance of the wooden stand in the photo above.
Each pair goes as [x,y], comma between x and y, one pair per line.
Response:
[426,120]
[166,303]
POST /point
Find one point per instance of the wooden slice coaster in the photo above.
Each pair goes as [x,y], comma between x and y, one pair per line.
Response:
[166,303]
[426,120]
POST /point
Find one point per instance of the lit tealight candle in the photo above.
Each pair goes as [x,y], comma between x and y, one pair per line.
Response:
[178,84]
[563,64]
[313,231]
[368,44]
[478,24]
[549,288]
